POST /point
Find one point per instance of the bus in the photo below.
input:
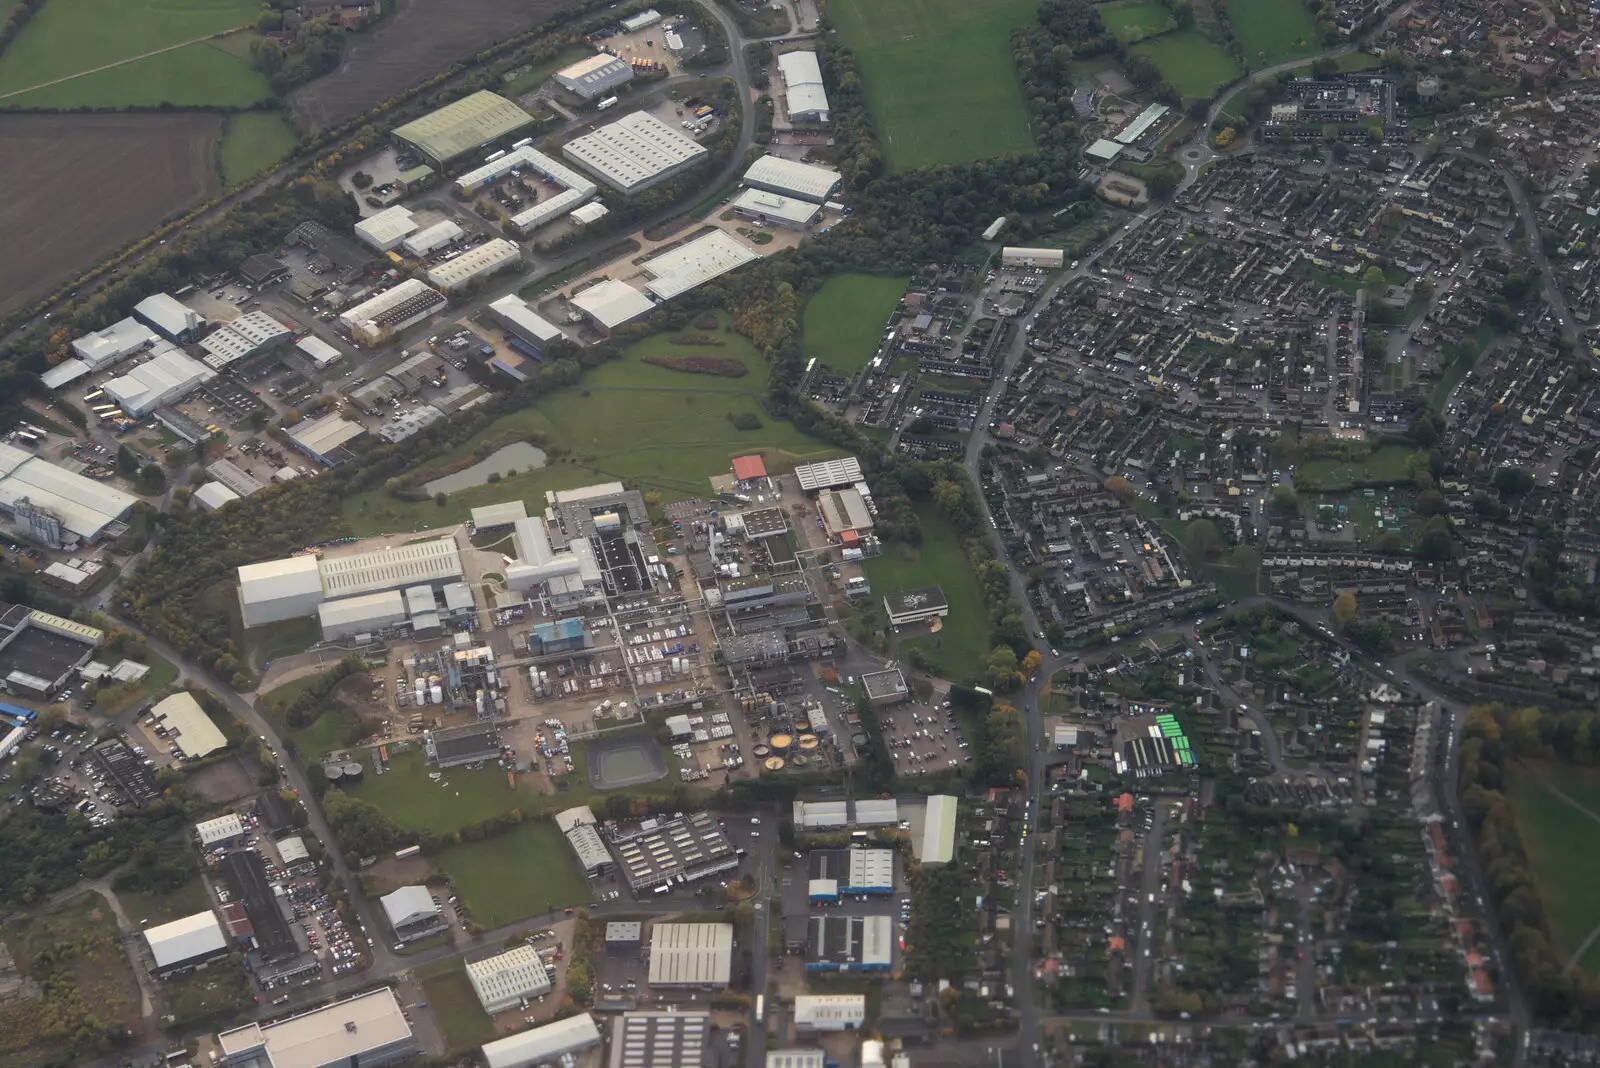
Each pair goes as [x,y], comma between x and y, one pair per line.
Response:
[31,440]
[491,157]
[90,398]
[761,1007]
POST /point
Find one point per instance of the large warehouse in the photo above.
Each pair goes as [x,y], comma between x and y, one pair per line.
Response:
[377,318]
[412,913]
[938,841]
[324,437]
[532,329]
[791,178]
[459,128]
[247,335]
[193,731]
[635,152]
[431,239]
[504,980]
[612,303]
[829,1012]
[849,943]
[543,1045]
[475,263]
[186,943]
[696,263]
[167,377]
[169,317]
[296,586]
[116,342]
[578,824]
[805,97]
[39,651]
[595,76]
[691,954]
[53,505]
[576,188]
[661,1039]
[368,614]
[676,851]
[388,228]
[369,1030]
[765,207]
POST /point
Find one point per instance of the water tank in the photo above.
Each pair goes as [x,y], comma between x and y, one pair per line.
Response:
[334,773]
[436,695]
[352,771]
[422,689]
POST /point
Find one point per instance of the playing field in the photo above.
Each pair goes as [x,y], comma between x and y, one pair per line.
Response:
[1387,465]
[958,649]
[197,75]
[939,76]
[844,322]
[67,37]
[1272,31]
[1563,846]
[528,870]
[251,142]
[1134,20]
[454,1005]
[1190,63]
[458,797]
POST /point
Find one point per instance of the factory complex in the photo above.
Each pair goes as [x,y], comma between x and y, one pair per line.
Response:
[463,126]
[635,152]
[300,586]
[57,507]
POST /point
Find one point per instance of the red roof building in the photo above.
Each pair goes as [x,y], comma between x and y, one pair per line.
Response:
[849,538]
[748,468]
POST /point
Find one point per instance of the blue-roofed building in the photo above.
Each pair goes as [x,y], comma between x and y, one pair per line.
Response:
[557,636]
[19,716]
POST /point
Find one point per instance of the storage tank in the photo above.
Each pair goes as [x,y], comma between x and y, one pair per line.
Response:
[480,702]
[334,773]
[422,689]
[436,695]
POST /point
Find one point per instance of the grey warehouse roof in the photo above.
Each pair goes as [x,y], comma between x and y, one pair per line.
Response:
[633,150]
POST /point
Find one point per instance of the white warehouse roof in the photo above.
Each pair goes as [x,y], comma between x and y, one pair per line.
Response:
[68,370]
[372,307]
[636,149]
[612,303]
[340,1033]
[543,1044]
[353,615]
[214,495]
[503,980]
[320,435]
[503,514]
[828,474]
[691,954]
[165,377]
[293,850]
[802,83]
[222,829]
[776,206]
[517,312]
[939,830]
[196,734]
[386,229]
[805,180]
[321,353]
[187,939]
[121,339]
[245,336]
[272,580]
[84,506]
[168,314]
[432,237]
[526,156]
[829,1012]
[387,569]
[408,905]
[474,263]
[696,263]
[593,76]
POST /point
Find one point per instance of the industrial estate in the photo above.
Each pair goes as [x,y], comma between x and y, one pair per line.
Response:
[798,535]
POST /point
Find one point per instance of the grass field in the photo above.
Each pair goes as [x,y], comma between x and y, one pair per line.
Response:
[461,797]
[939,76]
[1563,846]
[69,37]
[251,142]
[1272,31]
[1134,20]
[1386,465]
[958,649]
[198,75]
[844,321]
[1190,63]
[540,73]
[455,1005]
[528,870]
[168,905]
[665,430]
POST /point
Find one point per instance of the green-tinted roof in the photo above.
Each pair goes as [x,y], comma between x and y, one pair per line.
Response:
[415,174]
[464,125]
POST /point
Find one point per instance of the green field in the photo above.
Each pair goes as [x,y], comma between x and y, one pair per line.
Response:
[67,37]
[539,73]
[198,75]
[251,142]
[958,649]
[416,802]
[1272,31]
[1134,20]
[528,870]
[939,76]
[1386,465]
[662,429]
[168,905]
[1190,63]
[455,1005]
[1563,846]
[844,322]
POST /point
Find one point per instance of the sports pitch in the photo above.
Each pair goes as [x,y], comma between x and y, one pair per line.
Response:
[1134,20]
[1272,31]
[844,321]
[939,76]
[1190,63]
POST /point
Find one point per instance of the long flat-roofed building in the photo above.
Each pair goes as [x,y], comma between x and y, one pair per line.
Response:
[850,943]
[695,263]
[543,1045]
[612,303]
[938,842]
[369,1030]
[829,1012]
[635,152]
[429,562]
[186,943]
[691,954]
[387,228]
[792,178]
[475,263]
[504,980]
[1017,256]
[379,317]
[56,506]
[661,1040]
[805,97]
[431,239]
[498,516]
[116,342]
[687,849]
[788,212]
[828,474]
[366,614]
[195,734]
[460,127]
[595,76]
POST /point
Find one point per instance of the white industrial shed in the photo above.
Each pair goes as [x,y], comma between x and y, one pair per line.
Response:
[543,1045]
[820,815]
[612,303]
[118,341]
[322,436]
[1017,256]
[366,614]
[635,152]
[591,850]
[806,98]
[828,474]
[489,257]
[596,75]
[213,495]
[938,830]
[691,954]
[186,942]
[168,316]
[792,178]
[829,1012]
[247,335]
[222,829]
[427,562]
[64,373]
[166,377]
[387,228]
[432,238]
[195,734]
[776,209]
[696,263]
[408,905]
[796,1058]
[322,354]
[276,590]
[84,506]
[504,980]
[514,313]
[495,516]
[293,851]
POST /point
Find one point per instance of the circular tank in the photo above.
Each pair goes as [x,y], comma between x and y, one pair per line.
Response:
[761,751]
[774,763]
[858,740]
[780,742]
[798,761]
[333,772]
[802,724]
[352,771]
[807,741]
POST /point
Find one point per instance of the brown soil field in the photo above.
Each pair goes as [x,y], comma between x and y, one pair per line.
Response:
[422,38]
[78,187]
